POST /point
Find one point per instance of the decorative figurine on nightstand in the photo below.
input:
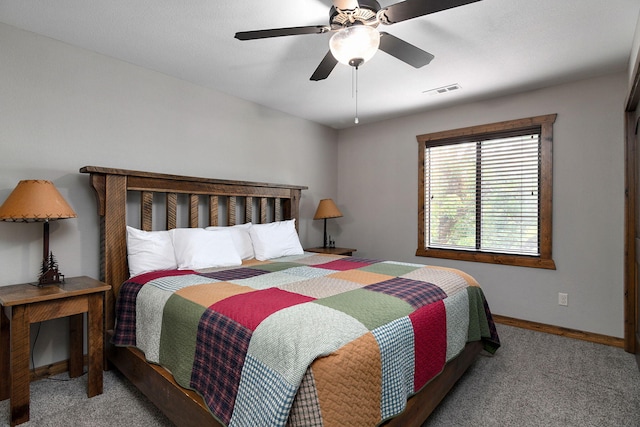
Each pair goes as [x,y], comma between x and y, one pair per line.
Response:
[49,273]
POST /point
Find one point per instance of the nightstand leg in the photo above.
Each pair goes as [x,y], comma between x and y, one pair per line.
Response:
[19,365]
[5,345]
[76,353]
[95,344]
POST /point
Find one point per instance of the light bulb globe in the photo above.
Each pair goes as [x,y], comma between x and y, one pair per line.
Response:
[355,45]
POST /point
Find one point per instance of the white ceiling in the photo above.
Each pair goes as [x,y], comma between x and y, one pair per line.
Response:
[489,48]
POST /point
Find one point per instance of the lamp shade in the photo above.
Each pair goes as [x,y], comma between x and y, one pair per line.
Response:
[35,201]
[355,45]
[327,209]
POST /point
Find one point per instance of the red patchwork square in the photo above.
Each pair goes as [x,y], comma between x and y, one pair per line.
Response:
[251,308]
[430,335]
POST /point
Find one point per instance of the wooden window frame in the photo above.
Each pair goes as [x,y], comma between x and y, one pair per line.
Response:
[541,124]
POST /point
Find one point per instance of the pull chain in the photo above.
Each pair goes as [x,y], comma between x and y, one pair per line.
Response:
[354,90]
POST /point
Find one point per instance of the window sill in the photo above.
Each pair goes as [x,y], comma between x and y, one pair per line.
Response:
[516,260]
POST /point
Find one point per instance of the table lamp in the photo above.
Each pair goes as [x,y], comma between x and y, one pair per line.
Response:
[327,209]
[38,201]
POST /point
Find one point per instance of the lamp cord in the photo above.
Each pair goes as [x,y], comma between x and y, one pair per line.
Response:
[33,347]
[33,364]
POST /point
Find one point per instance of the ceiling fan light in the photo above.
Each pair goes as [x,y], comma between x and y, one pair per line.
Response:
[355,45]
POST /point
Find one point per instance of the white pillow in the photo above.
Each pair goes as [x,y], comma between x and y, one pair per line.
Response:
[275,239]
[241,238]
[197,248]
[149,251]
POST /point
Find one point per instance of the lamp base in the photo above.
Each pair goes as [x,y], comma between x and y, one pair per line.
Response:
[325,233]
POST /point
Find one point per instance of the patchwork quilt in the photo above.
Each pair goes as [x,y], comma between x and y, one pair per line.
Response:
[309,339]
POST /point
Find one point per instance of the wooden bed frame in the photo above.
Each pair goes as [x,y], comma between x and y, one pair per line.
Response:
[221,200]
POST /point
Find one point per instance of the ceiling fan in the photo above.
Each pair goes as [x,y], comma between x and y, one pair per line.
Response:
[357,38]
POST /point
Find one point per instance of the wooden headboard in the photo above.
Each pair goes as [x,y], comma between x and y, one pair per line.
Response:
[222,200]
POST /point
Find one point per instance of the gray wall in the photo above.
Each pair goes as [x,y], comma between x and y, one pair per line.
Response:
[378,191]
[62,108]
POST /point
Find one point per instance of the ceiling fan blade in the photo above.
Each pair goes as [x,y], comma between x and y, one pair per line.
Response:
[410,9]
[345,4]
[279,32]
[325,68]
[405,52]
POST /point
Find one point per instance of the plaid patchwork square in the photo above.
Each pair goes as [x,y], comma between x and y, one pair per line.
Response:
[447,279]
[361,260]
[305,410]
[125,331]
[234,274]
[347,263]
[264,397]
[414,292]
[396,353]
[221,347]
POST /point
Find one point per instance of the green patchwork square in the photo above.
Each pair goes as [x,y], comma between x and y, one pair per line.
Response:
[389,269]
[275,266]
[180,321]
[372,309]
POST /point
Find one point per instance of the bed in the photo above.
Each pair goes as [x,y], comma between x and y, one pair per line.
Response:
[310,385]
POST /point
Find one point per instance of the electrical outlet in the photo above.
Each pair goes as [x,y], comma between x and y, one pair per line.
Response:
[563,299]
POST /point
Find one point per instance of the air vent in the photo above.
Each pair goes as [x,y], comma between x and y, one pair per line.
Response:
[444,89]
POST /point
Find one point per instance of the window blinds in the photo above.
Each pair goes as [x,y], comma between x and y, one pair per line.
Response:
[484,195]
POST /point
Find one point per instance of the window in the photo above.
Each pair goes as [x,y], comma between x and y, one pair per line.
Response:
[486,193]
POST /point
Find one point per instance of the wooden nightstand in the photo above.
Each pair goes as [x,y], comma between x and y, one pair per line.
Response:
[332,251]
[25,304]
